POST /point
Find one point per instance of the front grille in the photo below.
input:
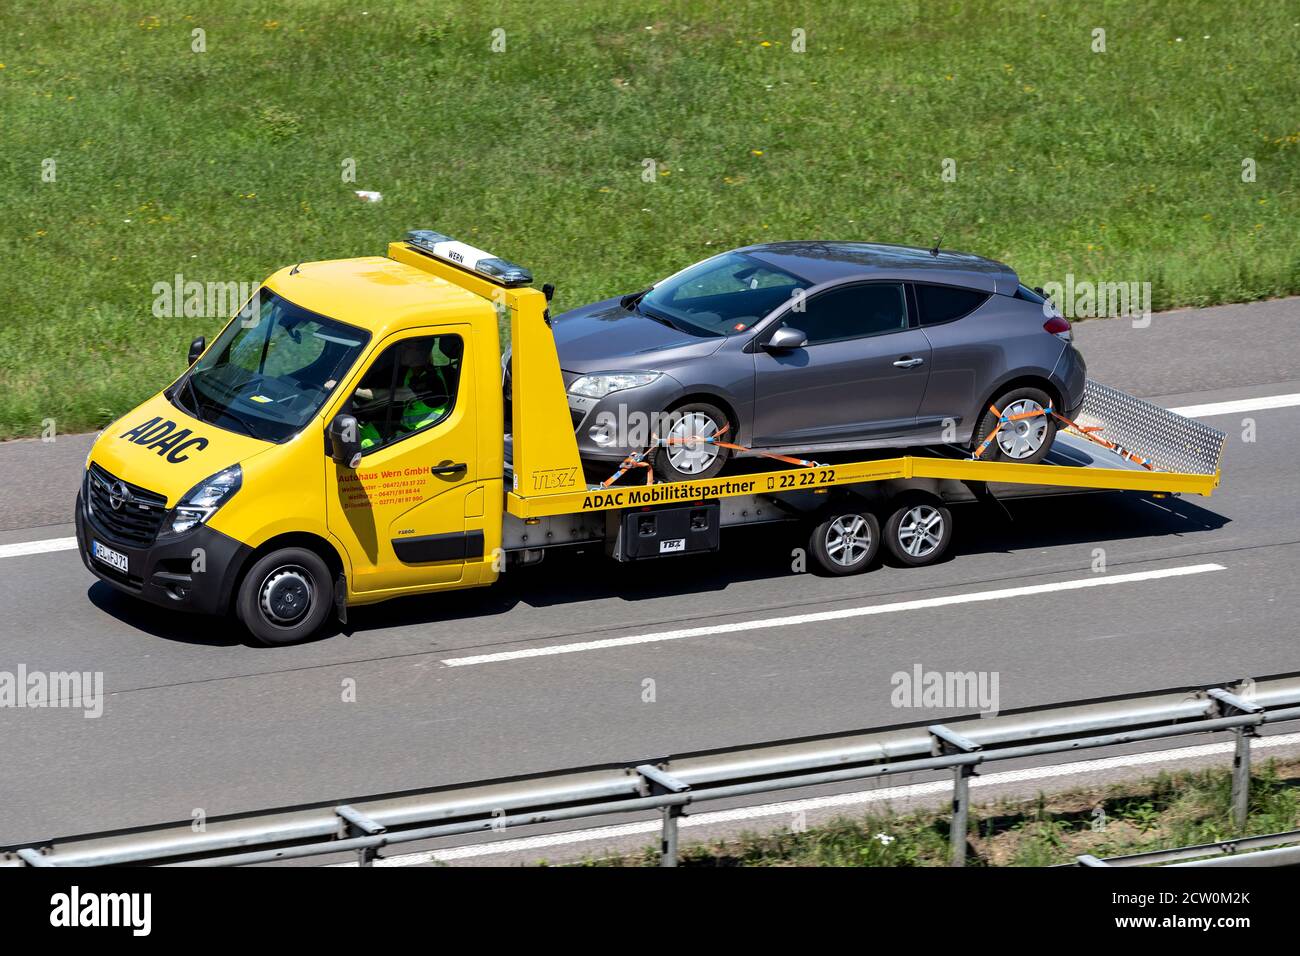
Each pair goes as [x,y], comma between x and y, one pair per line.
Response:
[139,514]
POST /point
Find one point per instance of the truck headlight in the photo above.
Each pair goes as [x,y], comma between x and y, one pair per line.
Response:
[598,386]
[202,501]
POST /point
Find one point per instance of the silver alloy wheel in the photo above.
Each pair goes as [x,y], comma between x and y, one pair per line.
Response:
[848,540]
[688,454]
[921,531]
[1020,439]
[285,595]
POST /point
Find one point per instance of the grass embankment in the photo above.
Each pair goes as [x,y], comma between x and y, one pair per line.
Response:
[1183,808]
[227,164]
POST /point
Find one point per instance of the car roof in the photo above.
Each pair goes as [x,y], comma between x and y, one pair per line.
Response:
[819,262]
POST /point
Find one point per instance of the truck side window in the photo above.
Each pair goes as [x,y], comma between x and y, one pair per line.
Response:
[410,387]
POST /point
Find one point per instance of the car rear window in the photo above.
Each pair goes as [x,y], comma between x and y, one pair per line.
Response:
[943,303]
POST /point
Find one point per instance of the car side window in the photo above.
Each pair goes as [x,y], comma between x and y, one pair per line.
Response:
[943,303]
[852,312]
[410,387]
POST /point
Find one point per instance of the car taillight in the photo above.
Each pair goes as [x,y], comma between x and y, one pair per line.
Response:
[1059,327]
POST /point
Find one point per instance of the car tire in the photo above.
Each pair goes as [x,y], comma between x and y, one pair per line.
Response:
[687,463]
[1025,442]
[845,541]
[918,530]
[285,597]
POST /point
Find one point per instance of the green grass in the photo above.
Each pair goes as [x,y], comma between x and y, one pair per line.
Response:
[1123,166]
[1185,808]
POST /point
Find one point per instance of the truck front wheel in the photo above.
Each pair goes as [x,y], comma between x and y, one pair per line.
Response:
[285,596]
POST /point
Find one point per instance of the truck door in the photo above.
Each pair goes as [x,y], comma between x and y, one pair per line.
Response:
[401,513]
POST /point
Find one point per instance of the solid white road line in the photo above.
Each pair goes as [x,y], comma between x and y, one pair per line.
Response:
[847,801]
[1235,408]
[818,617]
[37,547]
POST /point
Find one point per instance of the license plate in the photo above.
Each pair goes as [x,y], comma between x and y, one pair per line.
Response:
[110,557]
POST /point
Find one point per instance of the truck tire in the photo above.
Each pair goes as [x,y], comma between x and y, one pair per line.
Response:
[286,596]
[845,542]
[693,462]
[1025,442]
[918,530]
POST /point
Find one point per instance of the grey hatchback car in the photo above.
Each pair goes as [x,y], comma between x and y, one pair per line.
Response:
[813,347]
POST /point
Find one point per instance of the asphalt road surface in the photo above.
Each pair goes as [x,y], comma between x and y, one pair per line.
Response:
[197,718]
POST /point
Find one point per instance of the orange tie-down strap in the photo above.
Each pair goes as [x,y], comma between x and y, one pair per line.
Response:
[1087,431]
[637,460]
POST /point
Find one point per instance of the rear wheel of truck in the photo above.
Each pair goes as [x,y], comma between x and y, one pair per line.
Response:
[1027,439]
[845,542]
[691,456]
[285,596]
[918,530]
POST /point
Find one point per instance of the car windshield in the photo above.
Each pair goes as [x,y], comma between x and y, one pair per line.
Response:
[721,296]
[270,370]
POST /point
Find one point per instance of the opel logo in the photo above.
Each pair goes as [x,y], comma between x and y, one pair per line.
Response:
[118,495]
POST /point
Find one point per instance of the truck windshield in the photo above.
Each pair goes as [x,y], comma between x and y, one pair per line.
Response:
[725,295]
[270,370]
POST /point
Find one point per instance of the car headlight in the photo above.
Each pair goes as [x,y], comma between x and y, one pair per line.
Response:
[598,386]
[202,501]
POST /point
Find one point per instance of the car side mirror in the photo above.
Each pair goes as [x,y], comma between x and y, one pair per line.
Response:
[196,349]
[786,338]
[344,443]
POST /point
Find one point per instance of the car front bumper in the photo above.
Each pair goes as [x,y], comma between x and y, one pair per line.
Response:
[630,416]
[196,571]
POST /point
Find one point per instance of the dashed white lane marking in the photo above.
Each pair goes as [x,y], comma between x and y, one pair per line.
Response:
[1243,405]
[846,801]
[818,617]
[37,547]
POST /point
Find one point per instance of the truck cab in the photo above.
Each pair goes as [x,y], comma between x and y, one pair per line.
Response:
[361,399]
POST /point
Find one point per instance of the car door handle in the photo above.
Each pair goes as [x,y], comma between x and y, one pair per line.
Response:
[908,362]
[453,469]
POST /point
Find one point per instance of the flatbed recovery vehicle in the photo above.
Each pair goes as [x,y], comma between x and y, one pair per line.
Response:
[343,441]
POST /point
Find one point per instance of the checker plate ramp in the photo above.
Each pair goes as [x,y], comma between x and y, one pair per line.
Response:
[1171,441]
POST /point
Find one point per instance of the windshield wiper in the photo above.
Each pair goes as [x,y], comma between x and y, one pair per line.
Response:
[630,300]
[188,382]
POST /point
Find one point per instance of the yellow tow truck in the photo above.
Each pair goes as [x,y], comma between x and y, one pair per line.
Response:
[343,441]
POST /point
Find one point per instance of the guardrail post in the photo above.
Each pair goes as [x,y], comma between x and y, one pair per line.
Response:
[352,822]
[668,842]
[944,742]
[960,812]
[1231,705]
[657,782]
[1241,778]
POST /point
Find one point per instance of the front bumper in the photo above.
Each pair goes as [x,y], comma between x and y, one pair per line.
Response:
[196,571]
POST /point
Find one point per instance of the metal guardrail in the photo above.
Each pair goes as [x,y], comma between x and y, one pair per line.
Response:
[1269,849]
[365,825]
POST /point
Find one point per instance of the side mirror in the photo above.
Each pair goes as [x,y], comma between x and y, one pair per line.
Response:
[344,445]
[784,339]
[196,349]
